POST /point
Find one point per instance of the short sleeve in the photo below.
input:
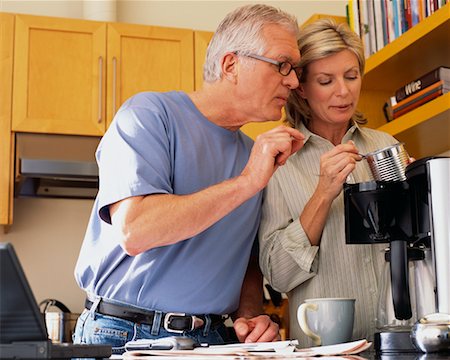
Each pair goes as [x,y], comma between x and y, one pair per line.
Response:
[134,156]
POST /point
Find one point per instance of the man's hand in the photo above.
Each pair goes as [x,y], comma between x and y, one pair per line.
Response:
[271,150]
[257,329]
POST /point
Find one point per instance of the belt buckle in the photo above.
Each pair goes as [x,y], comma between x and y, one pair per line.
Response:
[166,323]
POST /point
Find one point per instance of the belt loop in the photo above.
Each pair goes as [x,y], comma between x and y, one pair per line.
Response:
[207,325]
[156,322]
[94,307]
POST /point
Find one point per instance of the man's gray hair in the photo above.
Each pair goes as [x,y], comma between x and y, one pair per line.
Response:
[242,31]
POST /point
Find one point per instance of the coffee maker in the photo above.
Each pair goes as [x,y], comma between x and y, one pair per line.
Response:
[412,216]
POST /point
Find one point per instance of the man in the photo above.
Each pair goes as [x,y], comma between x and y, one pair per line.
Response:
[168,244]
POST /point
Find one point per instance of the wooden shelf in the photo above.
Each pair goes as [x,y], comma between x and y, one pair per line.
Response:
[418,51]
[425,130]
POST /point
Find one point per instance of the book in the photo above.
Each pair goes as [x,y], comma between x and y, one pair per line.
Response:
[387,109]
[378,13]
[413,97]
[364,27]
[422,97]
[372,30]
[432,95]
[440,73]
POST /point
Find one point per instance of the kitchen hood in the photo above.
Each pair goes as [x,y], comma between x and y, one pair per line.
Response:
[60,166]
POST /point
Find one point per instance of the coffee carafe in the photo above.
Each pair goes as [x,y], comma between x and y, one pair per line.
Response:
[412,216]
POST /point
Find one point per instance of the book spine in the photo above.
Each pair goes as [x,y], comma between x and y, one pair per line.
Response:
[379,23]
[402,104]
[415,12]
[418,84]
[364,26]
[385,22]
[418,94]
[391,20]
[372,30]
[408,14]
[434,94]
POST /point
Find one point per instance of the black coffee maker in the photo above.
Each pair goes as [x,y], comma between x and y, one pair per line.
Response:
[412,216]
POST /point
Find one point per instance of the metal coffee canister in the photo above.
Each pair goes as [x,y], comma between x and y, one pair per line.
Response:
[389,163]
[60,324]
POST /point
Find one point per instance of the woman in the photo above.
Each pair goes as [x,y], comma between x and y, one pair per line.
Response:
[302,233]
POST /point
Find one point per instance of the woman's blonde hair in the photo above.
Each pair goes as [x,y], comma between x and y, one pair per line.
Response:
[319,40]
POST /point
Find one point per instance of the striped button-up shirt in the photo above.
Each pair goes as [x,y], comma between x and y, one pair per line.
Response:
[333,269]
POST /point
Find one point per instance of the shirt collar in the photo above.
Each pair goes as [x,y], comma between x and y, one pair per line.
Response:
[351,132]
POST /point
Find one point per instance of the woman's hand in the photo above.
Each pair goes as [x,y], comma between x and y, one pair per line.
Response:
[335,166]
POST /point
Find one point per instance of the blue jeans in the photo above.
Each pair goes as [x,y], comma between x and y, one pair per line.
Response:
[95,328]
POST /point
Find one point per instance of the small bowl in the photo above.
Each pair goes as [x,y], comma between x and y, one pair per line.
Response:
[432,333]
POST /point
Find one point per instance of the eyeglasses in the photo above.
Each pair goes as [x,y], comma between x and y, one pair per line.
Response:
[284,67]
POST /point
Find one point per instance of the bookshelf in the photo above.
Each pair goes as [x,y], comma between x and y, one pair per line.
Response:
[425,130]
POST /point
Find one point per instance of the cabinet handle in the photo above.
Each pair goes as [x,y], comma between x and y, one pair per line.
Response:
[114,63]
[100,88]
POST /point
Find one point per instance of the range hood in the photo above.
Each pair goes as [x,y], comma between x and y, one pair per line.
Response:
[60,166]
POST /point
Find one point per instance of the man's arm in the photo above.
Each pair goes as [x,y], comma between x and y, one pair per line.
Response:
[249,323]
[145,222]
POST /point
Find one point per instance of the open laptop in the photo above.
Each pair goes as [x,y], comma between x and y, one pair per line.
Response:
[23,334]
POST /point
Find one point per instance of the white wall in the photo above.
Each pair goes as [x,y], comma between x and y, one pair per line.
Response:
[198,15]
[47,233]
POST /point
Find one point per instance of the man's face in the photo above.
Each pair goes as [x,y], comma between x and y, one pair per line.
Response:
[261,88]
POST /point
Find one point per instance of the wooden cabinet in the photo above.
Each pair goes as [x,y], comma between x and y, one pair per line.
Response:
[425,130]
[147,58]
[6,138]
[72,75]
[59,75]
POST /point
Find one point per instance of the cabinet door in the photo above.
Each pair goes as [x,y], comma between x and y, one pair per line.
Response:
[147,58]
[6,139]
[201,41]
[59,76]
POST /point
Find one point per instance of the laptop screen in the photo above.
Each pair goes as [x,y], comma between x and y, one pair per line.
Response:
[20,318]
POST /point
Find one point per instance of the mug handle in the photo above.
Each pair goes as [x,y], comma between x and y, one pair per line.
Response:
[301,314]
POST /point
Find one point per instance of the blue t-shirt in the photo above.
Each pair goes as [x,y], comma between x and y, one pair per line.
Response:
[159,143]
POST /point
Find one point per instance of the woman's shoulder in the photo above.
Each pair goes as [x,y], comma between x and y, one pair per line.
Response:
[377,135]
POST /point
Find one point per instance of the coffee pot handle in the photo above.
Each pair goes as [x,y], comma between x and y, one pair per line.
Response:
[400,280]
[301,315]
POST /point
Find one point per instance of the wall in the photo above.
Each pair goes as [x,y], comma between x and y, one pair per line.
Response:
[198,15]
[47,233]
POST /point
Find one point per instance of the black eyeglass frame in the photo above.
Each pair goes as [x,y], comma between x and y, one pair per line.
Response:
[280,64]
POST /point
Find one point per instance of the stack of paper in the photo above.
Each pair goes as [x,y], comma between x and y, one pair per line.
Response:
[269,350]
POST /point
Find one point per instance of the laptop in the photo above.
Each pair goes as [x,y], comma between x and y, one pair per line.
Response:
[23,333]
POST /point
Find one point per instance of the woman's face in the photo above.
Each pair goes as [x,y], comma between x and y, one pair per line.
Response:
[332,89]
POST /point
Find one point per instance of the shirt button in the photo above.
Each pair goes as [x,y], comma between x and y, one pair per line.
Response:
[367,260]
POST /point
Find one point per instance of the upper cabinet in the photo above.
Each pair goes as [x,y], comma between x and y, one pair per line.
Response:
[425,130]
[147,58]
[71,76]
[59,76]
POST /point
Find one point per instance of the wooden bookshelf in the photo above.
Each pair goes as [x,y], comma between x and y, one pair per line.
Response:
[424,47]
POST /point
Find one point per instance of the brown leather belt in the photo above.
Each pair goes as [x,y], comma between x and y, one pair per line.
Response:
[173,322]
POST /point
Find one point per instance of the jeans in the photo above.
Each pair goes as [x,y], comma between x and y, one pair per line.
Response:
[95,328]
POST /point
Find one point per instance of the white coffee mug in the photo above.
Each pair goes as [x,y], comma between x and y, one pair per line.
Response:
[327,321]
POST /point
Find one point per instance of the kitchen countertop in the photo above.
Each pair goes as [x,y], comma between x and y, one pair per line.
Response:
[405,356]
